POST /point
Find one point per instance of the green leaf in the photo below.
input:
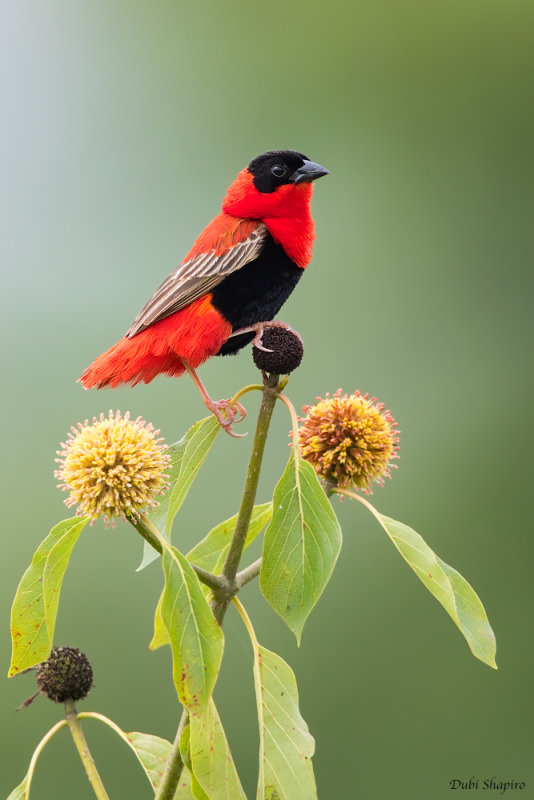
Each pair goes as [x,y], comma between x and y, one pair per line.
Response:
[185,751]
[211,761]
[152,752]
[184,790]
[210,553]
[149,555]
[198,791]
[158,515]
[187,456]
[195,637]
[20,792]
[191,452]
[161,636]
[454,593]
[301,544]
[286,745]
[33,616]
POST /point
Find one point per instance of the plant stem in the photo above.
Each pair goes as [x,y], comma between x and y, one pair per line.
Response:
[144,527]
[235,551]
[83,750]
[37,752]
[248,574]
[215,582]
[150,533]
[294,419]
[174,766]
[248,624]
[359,498]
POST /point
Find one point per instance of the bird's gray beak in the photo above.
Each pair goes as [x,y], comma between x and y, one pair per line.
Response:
[309,171]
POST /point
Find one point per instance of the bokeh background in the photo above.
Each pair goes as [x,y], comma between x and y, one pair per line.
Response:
[123,122]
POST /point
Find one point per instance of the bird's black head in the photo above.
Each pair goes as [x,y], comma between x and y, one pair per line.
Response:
[277,167]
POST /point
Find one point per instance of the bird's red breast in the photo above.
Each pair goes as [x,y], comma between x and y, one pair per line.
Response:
[285,212]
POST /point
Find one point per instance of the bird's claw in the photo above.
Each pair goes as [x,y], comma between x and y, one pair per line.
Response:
[256,342]
[261,328]
[228,413]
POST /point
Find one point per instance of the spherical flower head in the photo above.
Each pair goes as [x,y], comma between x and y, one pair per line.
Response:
[284,353]
[66,675]
[349,440]
[113,468]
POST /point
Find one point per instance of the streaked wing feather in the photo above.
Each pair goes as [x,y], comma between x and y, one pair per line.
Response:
[195,277]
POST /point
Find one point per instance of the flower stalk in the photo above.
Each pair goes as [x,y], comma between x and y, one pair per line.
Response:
[83,750]
[235,551]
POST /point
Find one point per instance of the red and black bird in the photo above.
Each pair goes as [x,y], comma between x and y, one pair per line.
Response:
[231,284]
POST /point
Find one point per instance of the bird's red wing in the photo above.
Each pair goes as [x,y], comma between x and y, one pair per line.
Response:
[226,245]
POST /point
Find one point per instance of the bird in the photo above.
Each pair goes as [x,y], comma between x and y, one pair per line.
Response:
[230,285]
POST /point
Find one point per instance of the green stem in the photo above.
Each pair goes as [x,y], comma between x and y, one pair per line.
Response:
[150,533]
[37,752]
[83,749]
[215,582]
[248,624]
[174,766]
[359,498]
[252,387]
[144,527]
[235,551]
[248,574]
[294,419]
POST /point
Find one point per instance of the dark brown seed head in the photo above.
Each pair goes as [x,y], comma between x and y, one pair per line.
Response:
[286,355]
[67,674]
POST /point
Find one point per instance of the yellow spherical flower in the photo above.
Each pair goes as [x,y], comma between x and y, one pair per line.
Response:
[113,468]
[349,440]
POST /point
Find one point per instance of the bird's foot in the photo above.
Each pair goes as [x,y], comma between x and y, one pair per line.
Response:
[227,412]
[260,327]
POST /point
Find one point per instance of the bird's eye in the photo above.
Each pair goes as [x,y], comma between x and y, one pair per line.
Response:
[278,171]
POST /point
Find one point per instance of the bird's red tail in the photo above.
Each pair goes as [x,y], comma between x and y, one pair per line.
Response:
[194,333]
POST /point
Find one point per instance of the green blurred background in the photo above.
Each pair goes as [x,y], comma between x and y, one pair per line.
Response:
[123,124]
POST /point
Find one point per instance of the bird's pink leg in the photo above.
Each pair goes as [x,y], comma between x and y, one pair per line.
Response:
[226,412]
[259,328]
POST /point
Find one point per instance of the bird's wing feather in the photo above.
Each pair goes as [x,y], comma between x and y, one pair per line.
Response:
[202,271]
